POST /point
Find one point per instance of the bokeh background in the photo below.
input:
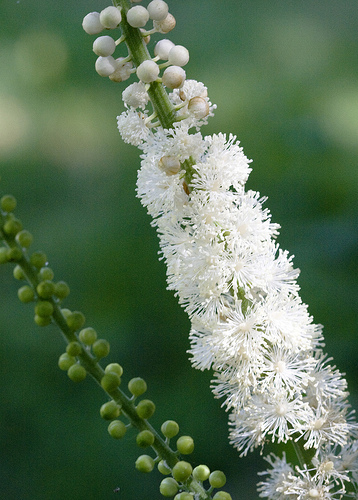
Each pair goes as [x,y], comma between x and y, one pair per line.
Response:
[284,75]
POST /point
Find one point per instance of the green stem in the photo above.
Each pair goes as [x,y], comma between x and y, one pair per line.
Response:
[90,363]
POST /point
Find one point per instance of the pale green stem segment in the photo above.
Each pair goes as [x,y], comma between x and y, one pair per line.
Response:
[90,363]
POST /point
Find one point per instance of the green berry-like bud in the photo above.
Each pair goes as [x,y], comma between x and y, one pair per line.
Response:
[75,320]
[101,348]
[145,439]
[42,320]
[110,410]
[12,226]
[45,289]
[169,428]
[18,273]
[44,308]
[26,294]
[222,495]
[77,372]
[3,255]
[46,273]
[144,463]
[110,381]
[217,479]
[117,429]
[8,203]
[168,487]
[66,312]
[38,259]
[185,445]
[145,408]
[184,496]
[114,367]
[88,336]
[24,238]
[65,361]
[181,471]
[14,254]
[137,386]
[163,468]
[74,348]
[62,290]
[201,472]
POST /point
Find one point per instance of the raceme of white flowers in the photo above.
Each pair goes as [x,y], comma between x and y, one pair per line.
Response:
[238,287]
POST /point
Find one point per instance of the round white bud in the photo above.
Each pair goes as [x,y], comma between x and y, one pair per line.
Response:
[158,10]
[166,25]
[169,164]
[104,46]
[110,17]
[122,71]
[173,77]
[199,107]
[178,55]
[105,66]
[162,48]
[91,23]
[148,71]
[137,16]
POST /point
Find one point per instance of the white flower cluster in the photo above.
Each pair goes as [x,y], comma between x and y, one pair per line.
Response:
[248,322]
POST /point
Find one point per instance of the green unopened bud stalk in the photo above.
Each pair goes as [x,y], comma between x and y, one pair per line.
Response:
[45,289]
[184,496]
[18,273]
[14,254]
[46,273]
[3,255]
[163,468]
[62,290]
[114,367]
[201,473]
[44,308]
[42,320]
[38,259]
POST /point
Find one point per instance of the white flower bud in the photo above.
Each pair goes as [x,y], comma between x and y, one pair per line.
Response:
[158,10]
[122,71]
[137,16]
[169,164]
[199,107]
[110,17]
[166,25]
[91,23]
[104,46]
[178,55]
[148,71]
[173,77]
[105,66]
[162,48]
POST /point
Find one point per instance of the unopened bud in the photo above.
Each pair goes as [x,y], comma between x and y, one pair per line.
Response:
[178,55]
[91,23]
[148,71]
[169,164]
[199,107]
[105,66]
[173,77]
[166,25]
[137,16]
[104,46]
[110,17]
[162,49]
[158,10]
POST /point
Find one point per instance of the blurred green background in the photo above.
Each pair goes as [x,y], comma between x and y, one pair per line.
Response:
[284,75]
